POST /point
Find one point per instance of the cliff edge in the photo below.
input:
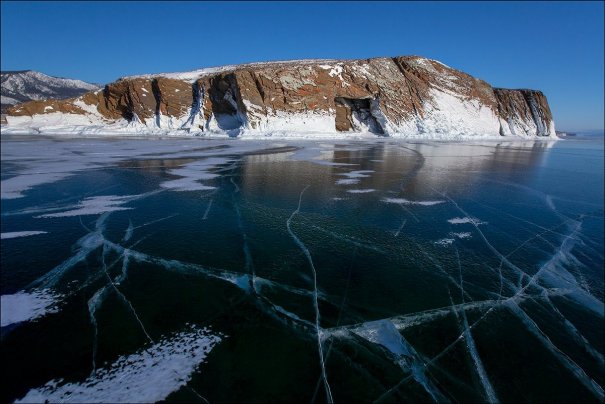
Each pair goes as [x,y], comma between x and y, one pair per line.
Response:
[400,96]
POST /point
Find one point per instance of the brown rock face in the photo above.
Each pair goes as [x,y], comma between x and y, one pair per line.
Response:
[382,95]
[44,107]
[344,117]
[525,106]
[172,97]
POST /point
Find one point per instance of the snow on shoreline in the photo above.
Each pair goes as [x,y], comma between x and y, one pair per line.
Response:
[276,126]
[108,132]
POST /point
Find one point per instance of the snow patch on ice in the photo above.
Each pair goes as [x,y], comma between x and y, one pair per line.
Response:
[16,234]
[347,181]
[462,220]
[444,242]
[46,161]
[403,201]
[27,306]
[193,173]
[353,177]
[14,187]
[360,191]
[148,375]
[96,205]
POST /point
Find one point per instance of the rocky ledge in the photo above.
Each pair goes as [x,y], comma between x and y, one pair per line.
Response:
[400,96]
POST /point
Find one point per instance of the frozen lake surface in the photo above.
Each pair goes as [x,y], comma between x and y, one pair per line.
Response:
[138,270]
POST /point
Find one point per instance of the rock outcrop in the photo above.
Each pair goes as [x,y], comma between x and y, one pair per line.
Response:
[402,96]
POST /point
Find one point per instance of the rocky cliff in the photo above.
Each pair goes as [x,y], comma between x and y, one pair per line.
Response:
[400,96]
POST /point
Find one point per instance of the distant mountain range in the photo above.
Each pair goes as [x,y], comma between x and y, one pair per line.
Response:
[27,85]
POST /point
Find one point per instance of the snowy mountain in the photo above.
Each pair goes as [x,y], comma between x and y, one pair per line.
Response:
[404,96]
[26,85]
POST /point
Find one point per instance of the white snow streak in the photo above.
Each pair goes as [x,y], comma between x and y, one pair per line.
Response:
[17,234]
[148,375]
[27,306]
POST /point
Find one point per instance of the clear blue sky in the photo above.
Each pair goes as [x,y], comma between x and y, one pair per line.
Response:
[556,47]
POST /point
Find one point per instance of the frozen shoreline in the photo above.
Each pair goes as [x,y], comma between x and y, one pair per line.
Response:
[103,132]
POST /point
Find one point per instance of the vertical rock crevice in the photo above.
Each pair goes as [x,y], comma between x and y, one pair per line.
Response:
[226,104]
[525,112]
[357,115]
[157,95]
[196,109]
[539,111]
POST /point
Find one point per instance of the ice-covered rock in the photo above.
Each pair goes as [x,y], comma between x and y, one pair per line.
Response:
[400,96]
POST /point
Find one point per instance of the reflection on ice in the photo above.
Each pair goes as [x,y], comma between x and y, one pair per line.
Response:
[305,277]
[36,166]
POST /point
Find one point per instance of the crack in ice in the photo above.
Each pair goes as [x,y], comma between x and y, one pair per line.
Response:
[317,327]
[470,344]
